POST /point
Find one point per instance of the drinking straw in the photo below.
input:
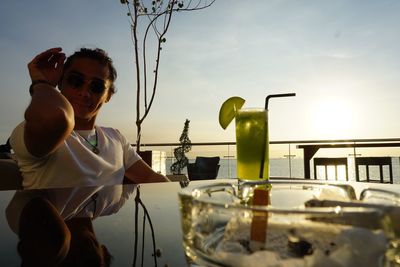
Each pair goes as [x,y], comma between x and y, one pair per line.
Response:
[265,132]
[277,95]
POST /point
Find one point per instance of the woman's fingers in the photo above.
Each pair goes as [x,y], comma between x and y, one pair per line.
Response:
[56,59]
[46,54]
[48,58]
[47,65]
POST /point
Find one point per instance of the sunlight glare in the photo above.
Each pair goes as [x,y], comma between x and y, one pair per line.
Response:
[333,118]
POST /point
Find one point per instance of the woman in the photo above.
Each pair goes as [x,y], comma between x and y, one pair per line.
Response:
[59,143]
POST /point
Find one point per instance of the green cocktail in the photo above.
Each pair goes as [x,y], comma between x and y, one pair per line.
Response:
[252,146]
[252,141]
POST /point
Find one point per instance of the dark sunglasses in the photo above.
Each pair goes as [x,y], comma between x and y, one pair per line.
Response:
[76,81]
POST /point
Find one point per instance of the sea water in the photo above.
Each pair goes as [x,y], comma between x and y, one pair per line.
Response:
[282,167]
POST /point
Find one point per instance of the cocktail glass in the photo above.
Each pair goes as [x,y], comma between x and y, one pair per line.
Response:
[252,145]
[252,142]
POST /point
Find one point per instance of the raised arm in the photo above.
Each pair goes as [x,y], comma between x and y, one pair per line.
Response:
[49,117]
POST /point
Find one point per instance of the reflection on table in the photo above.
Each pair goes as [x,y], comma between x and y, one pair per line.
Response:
[113,214]
[115,226]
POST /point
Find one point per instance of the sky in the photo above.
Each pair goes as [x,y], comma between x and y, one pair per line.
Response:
[340,57]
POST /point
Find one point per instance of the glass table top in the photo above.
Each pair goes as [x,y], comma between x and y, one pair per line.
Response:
[114,222]
[113,209]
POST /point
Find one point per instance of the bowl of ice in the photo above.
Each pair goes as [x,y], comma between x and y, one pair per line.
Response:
[274,224]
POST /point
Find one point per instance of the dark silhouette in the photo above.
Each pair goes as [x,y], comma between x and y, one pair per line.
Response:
[179,152]
[6,148]
[203,168]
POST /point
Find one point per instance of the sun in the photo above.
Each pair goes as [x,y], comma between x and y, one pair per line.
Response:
[333,118]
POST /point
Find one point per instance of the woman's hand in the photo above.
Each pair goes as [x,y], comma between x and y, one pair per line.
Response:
[47,66]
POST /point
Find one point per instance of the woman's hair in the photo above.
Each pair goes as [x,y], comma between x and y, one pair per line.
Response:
[99,55]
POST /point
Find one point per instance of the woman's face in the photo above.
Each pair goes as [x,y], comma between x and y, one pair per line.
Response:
[86,86]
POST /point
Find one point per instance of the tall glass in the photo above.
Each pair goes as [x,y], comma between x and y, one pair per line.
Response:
[252,145]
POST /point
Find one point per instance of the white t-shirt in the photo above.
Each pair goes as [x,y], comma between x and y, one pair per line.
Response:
[74,163]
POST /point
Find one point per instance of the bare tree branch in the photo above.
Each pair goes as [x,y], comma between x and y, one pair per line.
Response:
[152,11]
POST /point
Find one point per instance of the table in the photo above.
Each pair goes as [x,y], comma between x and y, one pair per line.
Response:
[310,150]
[116,231]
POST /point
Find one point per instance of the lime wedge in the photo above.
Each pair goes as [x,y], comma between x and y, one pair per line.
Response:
[228,110]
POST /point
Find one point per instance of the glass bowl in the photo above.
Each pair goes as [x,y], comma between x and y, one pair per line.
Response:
[221,227]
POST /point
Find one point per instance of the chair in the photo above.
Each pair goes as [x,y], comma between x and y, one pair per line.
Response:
[10,176]
[330,162]
[374,161]
[203,168]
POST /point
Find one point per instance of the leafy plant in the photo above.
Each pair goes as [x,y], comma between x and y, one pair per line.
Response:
[179,152]
[150,21]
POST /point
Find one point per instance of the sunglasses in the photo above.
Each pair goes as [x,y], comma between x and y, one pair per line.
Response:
[77,80]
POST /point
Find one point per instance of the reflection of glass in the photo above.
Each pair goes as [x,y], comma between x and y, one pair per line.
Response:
[252,144]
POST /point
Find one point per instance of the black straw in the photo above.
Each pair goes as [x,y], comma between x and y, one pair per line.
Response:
[277,95]
[265,132]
